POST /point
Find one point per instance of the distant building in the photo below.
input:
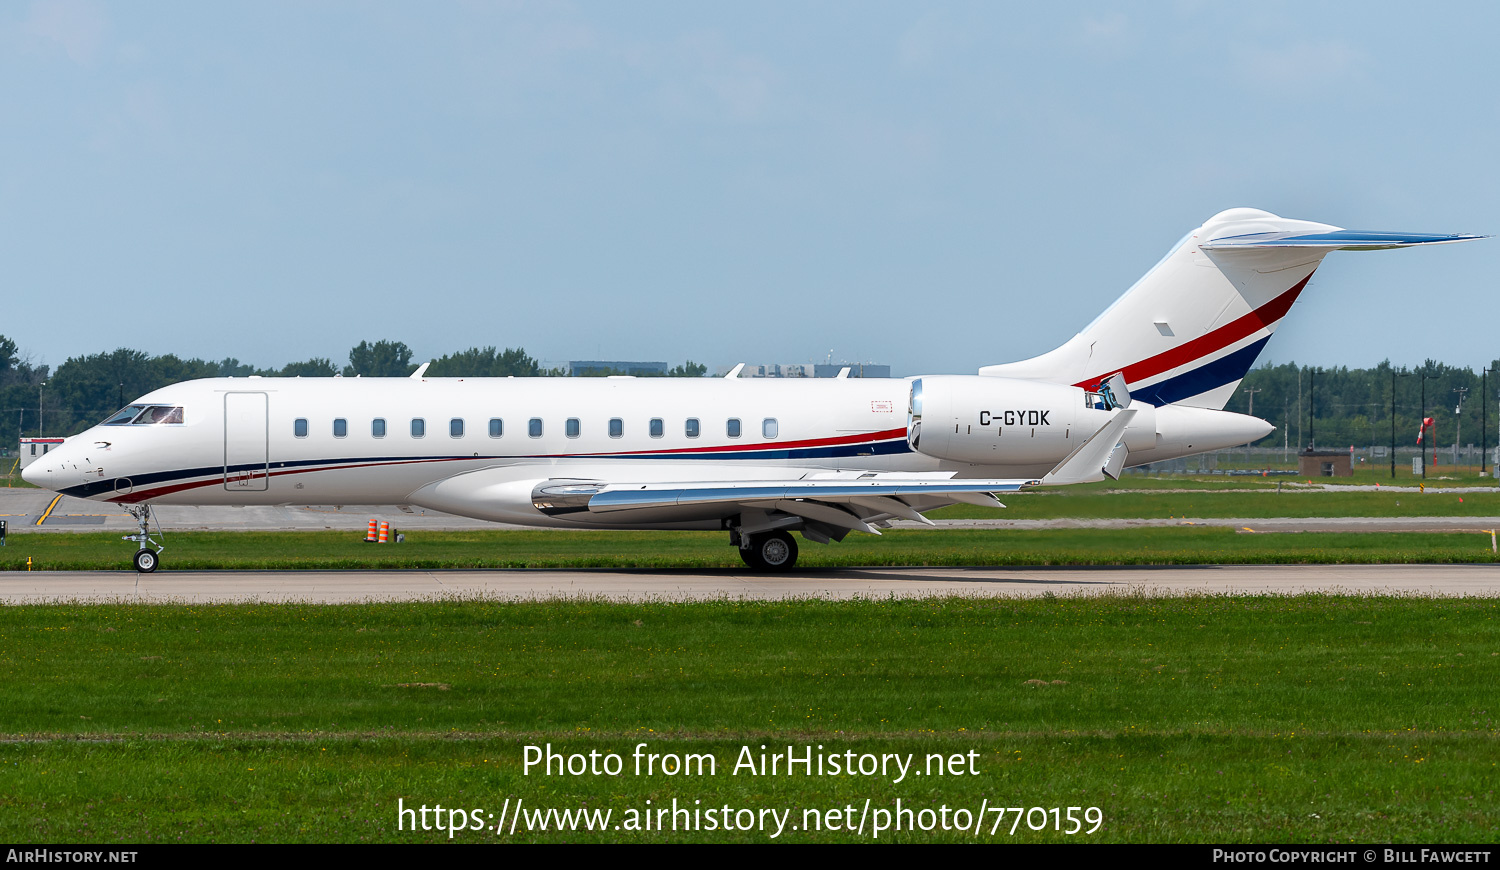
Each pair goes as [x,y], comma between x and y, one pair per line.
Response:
[856,370]
[804,370]
[31,448]
[1325,463]
[593,368]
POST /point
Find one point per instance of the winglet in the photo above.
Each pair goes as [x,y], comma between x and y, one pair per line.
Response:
[1096,457]
[421,370]
[735,372]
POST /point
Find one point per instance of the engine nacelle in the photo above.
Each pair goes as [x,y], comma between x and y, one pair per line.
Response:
[1007,421]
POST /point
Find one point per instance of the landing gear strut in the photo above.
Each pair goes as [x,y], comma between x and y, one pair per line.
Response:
[769,551]
[147,556]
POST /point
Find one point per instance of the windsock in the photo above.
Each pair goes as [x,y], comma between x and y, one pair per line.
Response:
[1426,424]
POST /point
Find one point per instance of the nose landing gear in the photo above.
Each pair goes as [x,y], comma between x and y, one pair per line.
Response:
[147,555]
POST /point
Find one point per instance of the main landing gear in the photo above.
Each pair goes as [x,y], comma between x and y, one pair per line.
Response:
[148,555]
[769,551]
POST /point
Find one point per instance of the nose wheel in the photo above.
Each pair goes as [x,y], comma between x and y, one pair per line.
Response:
[148,553]
[145,561]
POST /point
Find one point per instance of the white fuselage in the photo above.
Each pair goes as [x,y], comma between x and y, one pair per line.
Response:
[248,441]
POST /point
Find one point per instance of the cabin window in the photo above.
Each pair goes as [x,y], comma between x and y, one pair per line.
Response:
[340,427]
[657,427]
[497,427]
[733,427]
[534,427]
[616,427]
[768,427]
[418,427]
[377,427]
[456,427]
[691,428]
[299,427]
[571,427]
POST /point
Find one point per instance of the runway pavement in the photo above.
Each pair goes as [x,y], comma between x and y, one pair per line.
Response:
[355,586]
[22,508]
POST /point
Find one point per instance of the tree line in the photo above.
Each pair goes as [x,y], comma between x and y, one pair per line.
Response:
[86,389]
[1333,407]
[1344,407]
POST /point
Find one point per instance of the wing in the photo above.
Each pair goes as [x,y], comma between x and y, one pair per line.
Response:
[846,502]
[822,504]
[645,496]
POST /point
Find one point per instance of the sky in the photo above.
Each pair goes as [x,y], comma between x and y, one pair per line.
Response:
[934,186]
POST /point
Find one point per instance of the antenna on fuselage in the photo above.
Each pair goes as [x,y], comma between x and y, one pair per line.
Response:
[421,370]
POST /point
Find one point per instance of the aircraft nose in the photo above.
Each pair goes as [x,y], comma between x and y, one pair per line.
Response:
[43,472]
[37,474]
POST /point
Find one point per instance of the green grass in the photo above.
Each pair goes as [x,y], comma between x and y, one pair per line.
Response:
[1097,501]
[568,549]
[1297,719]
[1366,474]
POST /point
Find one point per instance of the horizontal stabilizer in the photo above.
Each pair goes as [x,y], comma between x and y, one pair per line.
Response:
[1337,240]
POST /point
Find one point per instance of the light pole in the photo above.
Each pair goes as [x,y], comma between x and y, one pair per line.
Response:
[1393,418]
[1484,417]
[1422,422]
[1251,393]
[1312,408]
[1458,422]
[40,429]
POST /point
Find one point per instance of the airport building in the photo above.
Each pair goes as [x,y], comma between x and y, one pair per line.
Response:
[31,448]
[585,368]
[807,370]
[856,370]
[1326,463]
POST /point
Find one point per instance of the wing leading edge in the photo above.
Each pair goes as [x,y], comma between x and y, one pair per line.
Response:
[557,497]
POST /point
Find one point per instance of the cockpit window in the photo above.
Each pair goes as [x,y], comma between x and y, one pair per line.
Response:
[158,414]
[123,416]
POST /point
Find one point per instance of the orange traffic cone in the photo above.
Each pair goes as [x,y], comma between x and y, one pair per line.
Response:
[370,535]
[385,531]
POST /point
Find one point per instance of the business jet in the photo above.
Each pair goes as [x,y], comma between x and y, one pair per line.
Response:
[1146,381]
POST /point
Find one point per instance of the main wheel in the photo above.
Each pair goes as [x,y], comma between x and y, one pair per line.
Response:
[772,551]
[145,561]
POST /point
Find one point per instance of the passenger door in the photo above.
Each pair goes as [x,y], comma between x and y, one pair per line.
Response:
[246,436]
